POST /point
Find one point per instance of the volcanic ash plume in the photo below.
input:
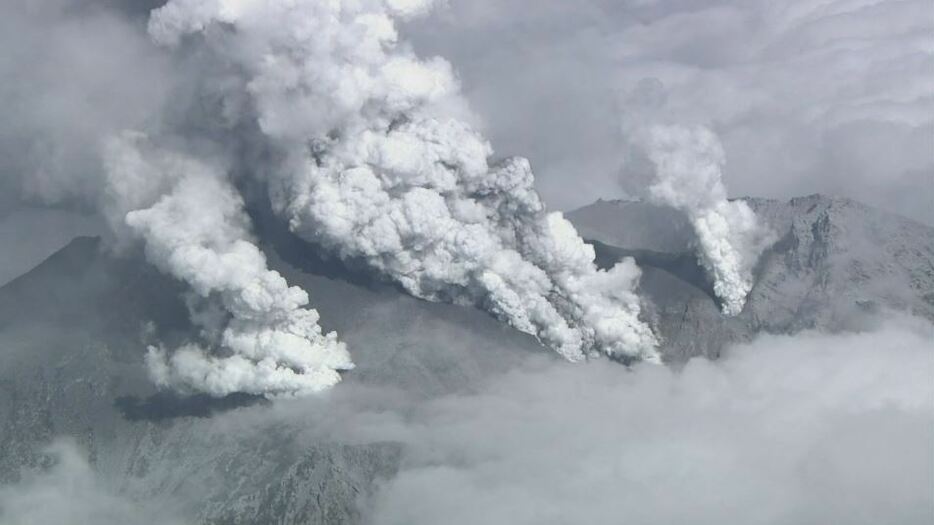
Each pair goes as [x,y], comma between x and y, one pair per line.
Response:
[193,227]
[688,163]
[373,159]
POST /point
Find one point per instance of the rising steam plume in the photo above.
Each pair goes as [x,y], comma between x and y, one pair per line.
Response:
[688,176]
[368,152]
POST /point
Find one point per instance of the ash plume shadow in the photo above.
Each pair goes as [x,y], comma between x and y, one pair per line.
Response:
[168,405]
[306,256]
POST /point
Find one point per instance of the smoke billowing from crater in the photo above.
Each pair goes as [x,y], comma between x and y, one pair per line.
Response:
[688,176]
[369,154]
[191,222]
[783,429]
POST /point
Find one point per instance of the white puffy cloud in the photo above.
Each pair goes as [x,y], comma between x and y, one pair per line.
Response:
[688,177]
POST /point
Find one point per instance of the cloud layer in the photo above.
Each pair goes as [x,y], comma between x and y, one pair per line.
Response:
[784,430]
[69,492]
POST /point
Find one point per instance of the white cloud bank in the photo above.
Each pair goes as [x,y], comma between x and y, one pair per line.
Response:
[813,428]
[785,430]
[70,493]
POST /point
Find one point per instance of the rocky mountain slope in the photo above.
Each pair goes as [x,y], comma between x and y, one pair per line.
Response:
[73,332]
[72,335]
[836,264]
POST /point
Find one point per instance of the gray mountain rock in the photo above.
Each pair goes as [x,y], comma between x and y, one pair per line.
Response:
[73,332]
[837,263]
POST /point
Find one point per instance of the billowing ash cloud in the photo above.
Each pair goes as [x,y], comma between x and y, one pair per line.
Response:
[365,150]
[688,176]
[370,155]
[193,226]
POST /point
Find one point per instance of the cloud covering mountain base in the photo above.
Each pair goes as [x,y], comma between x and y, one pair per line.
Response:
[807,96]
[785,430]
[70,492]
[814,428]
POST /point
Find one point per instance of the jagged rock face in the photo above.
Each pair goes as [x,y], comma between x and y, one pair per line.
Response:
[73,330]
[848,256]
[836,263]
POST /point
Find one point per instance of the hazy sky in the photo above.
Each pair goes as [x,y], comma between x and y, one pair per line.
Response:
[36,233]
[808,96]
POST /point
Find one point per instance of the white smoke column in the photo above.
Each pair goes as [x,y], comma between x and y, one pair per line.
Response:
[375,161]
[193,227]
[688,176]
